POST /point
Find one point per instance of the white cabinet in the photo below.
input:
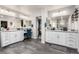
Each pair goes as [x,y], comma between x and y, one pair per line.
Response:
[19,36]
[51,38]
[61,39]
[68,39]
[11,37]
[55,37]
[4,38]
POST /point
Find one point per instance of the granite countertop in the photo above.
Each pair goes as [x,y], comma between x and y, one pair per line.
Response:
[62,31]
[11,31]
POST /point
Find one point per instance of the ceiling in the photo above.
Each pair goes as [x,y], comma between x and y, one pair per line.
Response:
[28,9]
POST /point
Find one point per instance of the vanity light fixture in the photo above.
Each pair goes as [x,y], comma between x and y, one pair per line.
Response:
[55,14]
[11,13]
[60,13]
[7,12]
[63,12]
[24,17]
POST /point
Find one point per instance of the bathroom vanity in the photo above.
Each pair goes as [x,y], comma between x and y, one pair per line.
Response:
[67,38]
[63,29]
[12,29]
[10,37]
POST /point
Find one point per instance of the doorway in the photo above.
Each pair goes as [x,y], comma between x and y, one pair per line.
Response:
[38,21]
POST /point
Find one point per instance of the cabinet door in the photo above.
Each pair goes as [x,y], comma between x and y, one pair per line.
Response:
[4,38]
[51,37]
[20,35]
[61,38]
[54,37]
[16,36]
[12,37]
[48,37]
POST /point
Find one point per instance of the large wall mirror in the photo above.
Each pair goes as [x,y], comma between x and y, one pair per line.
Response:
[4,24]
[59,22]
[26,23]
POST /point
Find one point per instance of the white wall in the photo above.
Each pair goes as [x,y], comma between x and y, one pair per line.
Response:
[44,15]
[35,13]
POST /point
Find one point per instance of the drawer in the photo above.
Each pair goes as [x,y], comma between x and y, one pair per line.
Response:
[72,33]
[72,45]
[71,41]
[72,36]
